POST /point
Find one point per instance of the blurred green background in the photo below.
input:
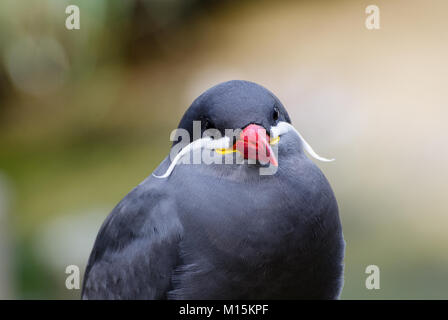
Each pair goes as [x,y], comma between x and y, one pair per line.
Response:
[85,115]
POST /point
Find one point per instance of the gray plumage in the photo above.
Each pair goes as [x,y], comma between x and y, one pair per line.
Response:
[224,231]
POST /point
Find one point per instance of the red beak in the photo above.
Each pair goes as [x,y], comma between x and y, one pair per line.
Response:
[253,143]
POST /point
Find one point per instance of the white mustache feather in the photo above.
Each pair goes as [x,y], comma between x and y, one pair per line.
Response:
[211,144]
[284,127]
[207,143]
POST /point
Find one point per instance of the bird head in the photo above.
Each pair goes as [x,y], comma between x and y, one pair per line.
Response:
[237,116]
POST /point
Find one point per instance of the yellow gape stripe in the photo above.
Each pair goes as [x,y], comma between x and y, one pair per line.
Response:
[275,141]
[227,151]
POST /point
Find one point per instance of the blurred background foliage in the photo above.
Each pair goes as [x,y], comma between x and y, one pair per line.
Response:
[85,115]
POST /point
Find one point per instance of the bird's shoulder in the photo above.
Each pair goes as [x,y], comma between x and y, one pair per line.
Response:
[136,247]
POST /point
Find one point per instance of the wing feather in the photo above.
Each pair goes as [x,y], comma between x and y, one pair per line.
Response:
[136,250]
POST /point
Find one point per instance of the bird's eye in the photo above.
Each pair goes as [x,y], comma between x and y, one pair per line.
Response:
[208,124]
[276,114]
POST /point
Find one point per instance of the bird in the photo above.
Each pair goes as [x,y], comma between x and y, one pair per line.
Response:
[195,230]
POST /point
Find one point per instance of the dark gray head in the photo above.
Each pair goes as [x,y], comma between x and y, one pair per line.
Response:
[255,117]
[234,105]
